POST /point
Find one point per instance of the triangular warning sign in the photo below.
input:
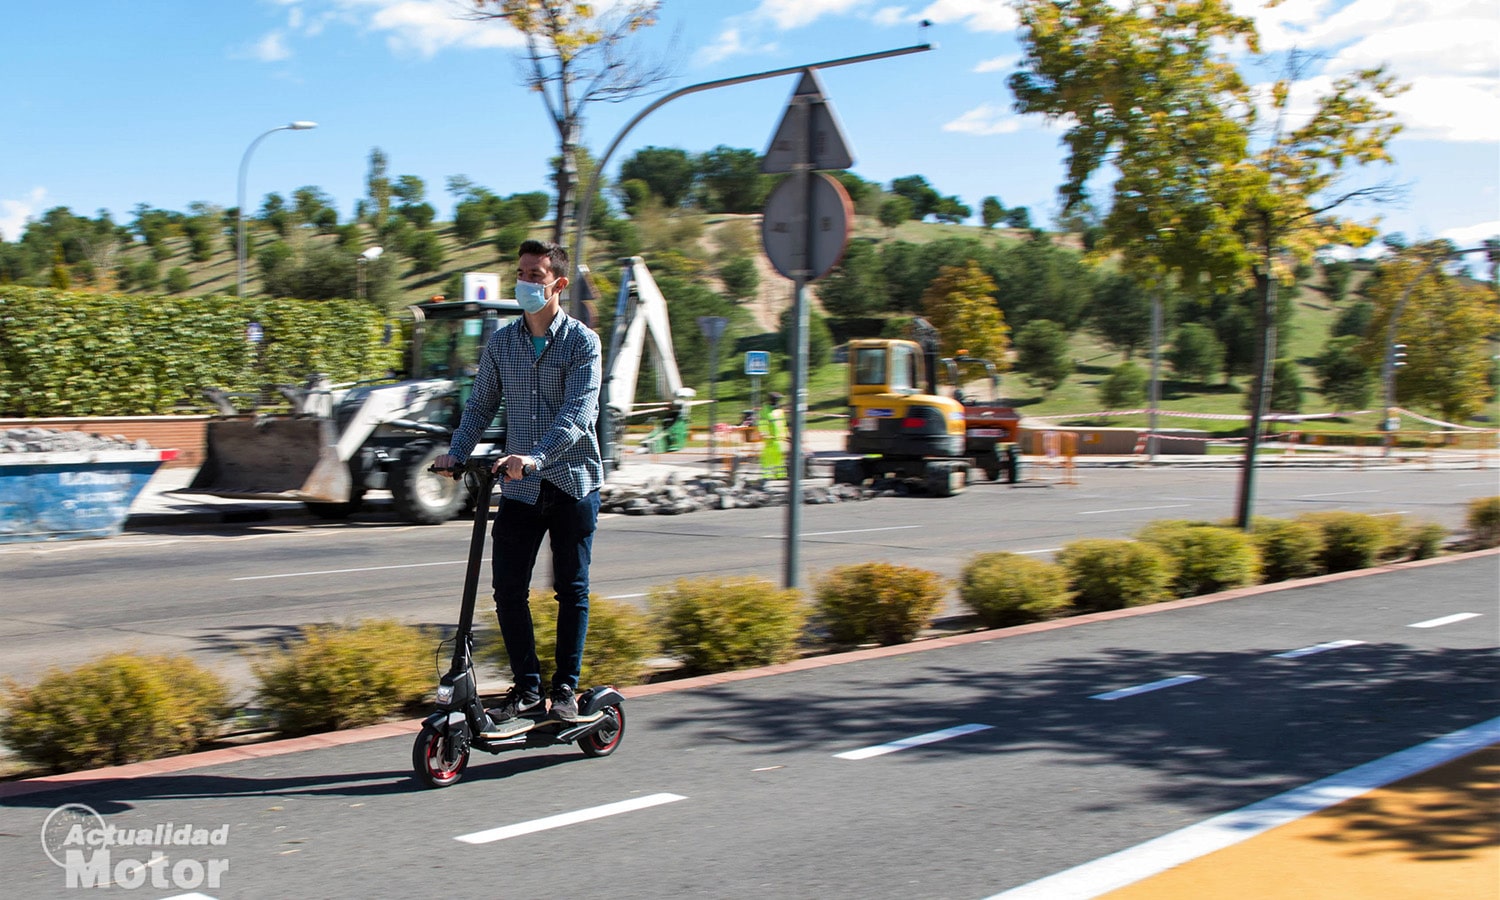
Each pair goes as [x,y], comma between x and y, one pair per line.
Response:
[813,136]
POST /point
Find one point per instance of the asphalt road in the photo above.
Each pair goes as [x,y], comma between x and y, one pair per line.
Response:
[218,591]
[1034,753]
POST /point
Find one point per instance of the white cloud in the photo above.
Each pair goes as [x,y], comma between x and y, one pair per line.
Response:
[426,27]
[787,14]
[15,213]
[975,15]
[998,64]
[730,43]
[270,48]
[1451,109]
[986,119]
[1468,236]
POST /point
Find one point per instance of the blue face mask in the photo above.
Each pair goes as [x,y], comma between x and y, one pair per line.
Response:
[532,297]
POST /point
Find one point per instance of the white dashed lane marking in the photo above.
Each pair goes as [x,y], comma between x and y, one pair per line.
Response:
[1445,620]
[563,819]
[1144,688]
[1317,648]
[931,737]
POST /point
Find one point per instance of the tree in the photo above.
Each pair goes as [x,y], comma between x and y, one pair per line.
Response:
[470,218]
[740,278]
[573,58]
[1125,388]
[1354,321]
[1196,354]
[1446,324]
[1286,388]
[819,338]
[1336,277]
[1151,89]
[951,210]
[378,190]
[667,171]
[732,180]
[856,286]
[960,303]
[1042,353]
[894,211]
[924,198]
[1019,217]
[1120,313]
[991,211]
[1039,279]
[1344,378]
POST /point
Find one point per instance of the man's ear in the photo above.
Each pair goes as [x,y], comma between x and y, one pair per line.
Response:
[562,283]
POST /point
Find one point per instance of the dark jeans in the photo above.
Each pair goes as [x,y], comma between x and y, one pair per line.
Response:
[518,534]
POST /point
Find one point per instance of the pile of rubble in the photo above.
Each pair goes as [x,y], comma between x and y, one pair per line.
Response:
[46,440]
[678,494]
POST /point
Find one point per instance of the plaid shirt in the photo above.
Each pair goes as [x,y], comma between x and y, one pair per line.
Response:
[551,405]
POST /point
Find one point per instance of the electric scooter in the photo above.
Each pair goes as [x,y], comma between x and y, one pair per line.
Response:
[460,724]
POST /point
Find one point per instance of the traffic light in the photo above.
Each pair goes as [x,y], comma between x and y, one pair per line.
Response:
[1398,355]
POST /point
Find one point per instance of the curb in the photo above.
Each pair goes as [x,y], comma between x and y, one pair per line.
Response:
[170,764]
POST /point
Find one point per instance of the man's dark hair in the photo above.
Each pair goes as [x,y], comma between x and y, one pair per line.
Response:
[557,257]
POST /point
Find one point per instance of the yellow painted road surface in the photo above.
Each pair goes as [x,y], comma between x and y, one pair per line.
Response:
[1434,836]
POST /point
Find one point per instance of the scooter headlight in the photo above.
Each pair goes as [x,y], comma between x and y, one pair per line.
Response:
[445,693]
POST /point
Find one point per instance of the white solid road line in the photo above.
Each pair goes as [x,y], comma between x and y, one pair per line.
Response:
[1137,863]
[1317,648]
[1143,688]
[849,531]
[451,562]
[1445,620]
[1097,512]
[558,821]
[930,737]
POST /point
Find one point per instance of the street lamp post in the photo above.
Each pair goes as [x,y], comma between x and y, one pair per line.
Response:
[240,212]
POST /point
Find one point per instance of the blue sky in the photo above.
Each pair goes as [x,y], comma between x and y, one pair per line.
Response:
[107,104]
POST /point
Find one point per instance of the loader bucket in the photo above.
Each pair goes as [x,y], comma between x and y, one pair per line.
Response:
[273,458]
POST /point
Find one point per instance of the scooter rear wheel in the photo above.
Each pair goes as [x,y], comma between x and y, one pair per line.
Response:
[427,758]
[603,740]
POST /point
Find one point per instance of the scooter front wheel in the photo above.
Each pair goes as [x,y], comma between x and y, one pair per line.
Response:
[427,757]
[603,740]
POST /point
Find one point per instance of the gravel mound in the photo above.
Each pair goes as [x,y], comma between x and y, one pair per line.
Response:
[47,440]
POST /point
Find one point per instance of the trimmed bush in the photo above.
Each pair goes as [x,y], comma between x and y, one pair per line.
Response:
[1424,540]
[1108,573]
[1011,589]
[723,624]
[1483,520]
[1351,540]
[619,641]
[878,602]
[1288,548]
[344,676]
[120,708]
[1208,558]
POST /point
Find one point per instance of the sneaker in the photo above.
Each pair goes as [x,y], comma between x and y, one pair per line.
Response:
[518,704]
[564,704]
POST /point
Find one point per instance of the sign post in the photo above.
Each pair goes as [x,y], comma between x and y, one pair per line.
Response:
[713,329]
[757,365]
[805,230]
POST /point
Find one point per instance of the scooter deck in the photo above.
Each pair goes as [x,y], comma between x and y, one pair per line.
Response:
[520,727]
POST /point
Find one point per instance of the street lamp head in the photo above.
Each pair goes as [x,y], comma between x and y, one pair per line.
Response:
[302,126]
[372,254]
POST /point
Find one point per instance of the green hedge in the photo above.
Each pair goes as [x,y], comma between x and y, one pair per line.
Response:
[120,708]
[81,354]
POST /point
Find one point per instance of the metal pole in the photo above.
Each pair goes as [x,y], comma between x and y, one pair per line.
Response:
[239,281]
[1156,323]
[583,207]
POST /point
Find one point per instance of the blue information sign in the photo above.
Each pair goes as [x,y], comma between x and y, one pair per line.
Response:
[757,362]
